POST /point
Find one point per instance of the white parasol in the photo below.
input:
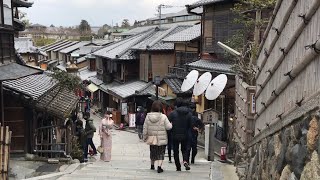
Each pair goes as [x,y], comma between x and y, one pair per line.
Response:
[202,83]
[189,80]
[216,86]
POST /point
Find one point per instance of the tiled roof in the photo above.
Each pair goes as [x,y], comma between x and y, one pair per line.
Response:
[81,59]
[14,71]
[105,87]
[71,43]
[206,2]
[121,49]
[212,65]
[59,104]
[175,85]
[147,90]
[95,80]
[138,30]
[127,89]
[183,12]
[64,44]
[153,42]
[74,47]
[185,35]
[34,86]
[101,42]
[53,45]
[85,73]
[86,50]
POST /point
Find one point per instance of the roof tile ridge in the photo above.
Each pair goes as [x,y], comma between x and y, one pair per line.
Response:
[162,36]
[135,42]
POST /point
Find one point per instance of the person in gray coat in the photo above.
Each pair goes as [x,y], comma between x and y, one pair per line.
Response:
[157,124]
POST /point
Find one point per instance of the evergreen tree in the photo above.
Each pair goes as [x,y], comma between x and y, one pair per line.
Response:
[84,28]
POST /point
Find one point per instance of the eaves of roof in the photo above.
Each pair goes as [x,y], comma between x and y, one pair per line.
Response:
[205,2]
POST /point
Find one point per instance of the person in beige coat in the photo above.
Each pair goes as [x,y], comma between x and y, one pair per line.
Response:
[157,124]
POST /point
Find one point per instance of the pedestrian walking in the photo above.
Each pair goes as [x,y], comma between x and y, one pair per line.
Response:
[140,117]
[155,134]
[196,127]
[106,137]
[82,137]
[90,129]
[181,124]
[169,133]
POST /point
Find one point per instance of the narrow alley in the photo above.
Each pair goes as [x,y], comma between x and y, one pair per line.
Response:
[130,160]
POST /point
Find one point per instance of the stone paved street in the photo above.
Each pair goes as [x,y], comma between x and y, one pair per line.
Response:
[130,160]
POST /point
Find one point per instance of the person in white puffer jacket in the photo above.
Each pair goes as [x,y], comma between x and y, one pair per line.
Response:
[156,125]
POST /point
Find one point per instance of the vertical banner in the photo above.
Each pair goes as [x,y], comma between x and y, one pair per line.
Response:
[124,108]
[132,120]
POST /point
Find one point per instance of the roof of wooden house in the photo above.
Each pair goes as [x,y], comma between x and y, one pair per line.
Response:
[154,40]
[186,35]
[58,102]
[33,86]
[13,71]
[128,89]
[213,65]
[75,47]
[206,2]
[175,85]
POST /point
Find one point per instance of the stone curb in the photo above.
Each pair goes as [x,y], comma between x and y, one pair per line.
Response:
[69,170]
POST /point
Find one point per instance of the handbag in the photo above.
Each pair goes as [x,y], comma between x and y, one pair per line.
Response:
[152,140]
[100,149]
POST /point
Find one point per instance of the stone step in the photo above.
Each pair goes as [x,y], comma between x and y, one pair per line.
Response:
[153,176]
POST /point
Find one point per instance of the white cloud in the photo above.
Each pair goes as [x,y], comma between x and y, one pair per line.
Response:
[96,12]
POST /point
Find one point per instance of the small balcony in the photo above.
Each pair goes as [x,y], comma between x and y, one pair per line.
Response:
[180,72]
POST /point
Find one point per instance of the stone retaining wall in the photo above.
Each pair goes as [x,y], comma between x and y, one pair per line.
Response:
[291,153]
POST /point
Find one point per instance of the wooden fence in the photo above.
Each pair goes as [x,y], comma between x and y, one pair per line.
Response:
[244,110]
[5,141]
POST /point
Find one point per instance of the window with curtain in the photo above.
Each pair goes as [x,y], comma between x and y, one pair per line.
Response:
[7,12]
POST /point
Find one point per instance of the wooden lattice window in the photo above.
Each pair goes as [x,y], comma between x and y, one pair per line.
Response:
[6,47]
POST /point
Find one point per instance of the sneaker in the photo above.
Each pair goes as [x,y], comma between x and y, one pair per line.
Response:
[186,165]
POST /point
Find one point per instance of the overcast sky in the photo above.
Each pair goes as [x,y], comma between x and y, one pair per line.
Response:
[96,12]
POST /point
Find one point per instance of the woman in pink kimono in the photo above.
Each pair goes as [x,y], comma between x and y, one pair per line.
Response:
[105,136]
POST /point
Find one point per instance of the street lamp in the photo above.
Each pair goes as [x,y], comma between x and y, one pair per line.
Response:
[157,81]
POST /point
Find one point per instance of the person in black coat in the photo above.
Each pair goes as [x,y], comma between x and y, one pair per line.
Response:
[196,127]
[140,117]
[181,119]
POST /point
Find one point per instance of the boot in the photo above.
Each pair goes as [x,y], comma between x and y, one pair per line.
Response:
[160,170]
[152,167]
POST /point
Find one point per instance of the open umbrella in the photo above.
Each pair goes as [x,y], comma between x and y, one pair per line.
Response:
[202,83]
[216,86]
[189,80]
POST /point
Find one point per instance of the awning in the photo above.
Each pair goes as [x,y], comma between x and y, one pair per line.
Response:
[92,88]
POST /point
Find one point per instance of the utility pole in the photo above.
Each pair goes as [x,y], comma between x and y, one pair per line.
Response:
[160,11]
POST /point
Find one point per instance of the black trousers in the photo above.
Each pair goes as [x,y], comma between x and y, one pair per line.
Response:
[184,151]
[170,146]
[192,146]
[89,142]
